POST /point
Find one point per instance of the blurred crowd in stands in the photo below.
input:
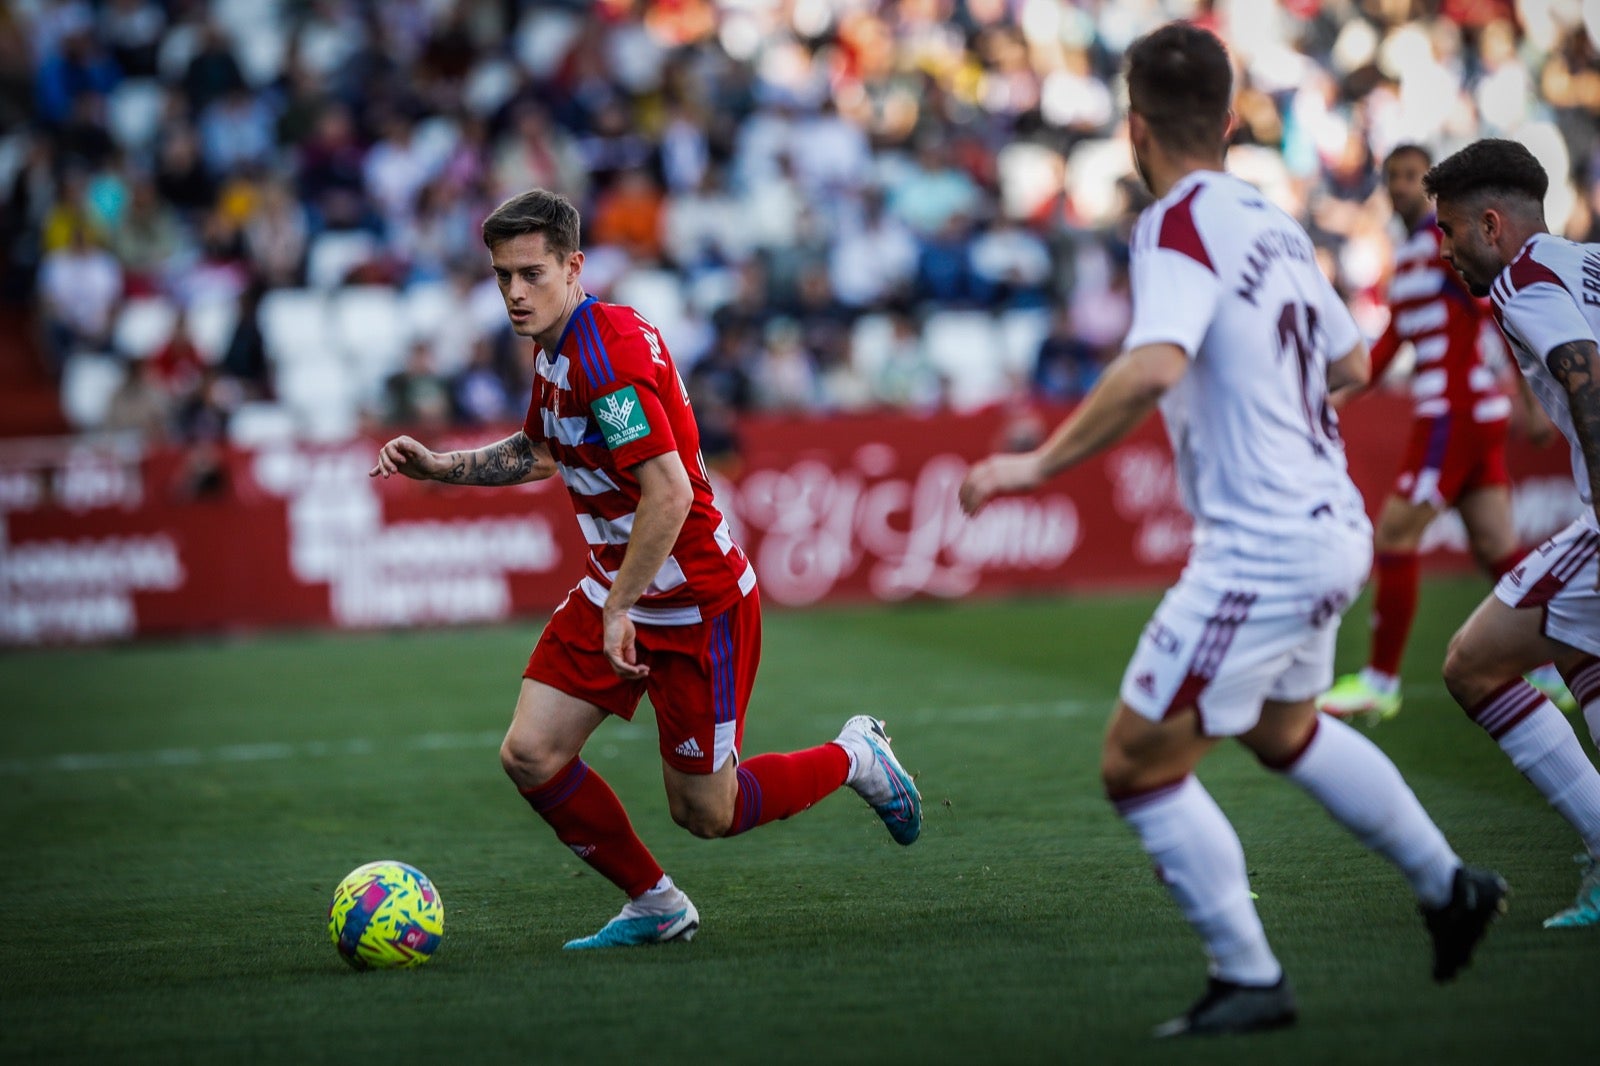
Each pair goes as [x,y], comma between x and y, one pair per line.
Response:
[263,214]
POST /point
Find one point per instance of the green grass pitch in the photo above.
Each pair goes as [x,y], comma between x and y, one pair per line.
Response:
[176,816]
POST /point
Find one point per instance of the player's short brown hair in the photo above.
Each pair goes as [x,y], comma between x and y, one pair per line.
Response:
[1505,169]
[1181,83]
[535,211]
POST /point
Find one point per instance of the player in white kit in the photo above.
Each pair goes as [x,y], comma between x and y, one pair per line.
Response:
[1238,338]
[1545,292]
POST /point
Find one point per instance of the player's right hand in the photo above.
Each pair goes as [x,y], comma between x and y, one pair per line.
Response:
[403,455]
[998,475]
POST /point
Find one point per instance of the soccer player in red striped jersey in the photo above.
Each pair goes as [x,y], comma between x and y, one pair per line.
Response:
[1457,453]
[1238,338]
[1545,293]
[667,605]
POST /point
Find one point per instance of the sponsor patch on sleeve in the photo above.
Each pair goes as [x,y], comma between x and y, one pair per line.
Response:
[621,417]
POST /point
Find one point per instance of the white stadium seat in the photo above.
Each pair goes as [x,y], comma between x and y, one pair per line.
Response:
[871,339]
[88,381]
[257,424]
[966,347]
[295,327]
[211,321]
[334,255]
[144,325]
[1021,332]
[369,324]
[133,112]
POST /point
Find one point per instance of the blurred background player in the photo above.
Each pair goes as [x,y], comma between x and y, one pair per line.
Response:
[667,606]
[1242,645]
[1457,453]
[1545,292]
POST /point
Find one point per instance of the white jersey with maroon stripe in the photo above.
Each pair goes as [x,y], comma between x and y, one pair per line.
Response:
[1548,296]
[608,398]
[1430,308]
[1234,282]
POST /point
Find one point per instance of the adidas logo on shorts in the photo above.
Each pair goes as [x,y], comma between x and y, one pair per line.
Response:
[689,750]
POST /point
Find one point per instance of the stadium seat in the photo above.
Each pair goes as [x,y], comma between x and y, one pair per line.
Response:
[369,324]
[658,296]
[966,346]
[322,397]
[295,326]
[257,424]
[88,381]
[144,324]
[335,254]
[133,113]
[870,341]
[211,321]
[1022,330]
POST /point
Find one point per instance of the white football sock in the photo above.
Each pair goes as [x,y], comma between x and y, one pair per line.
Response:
[1357,784]
[1198,856]
[1543,746]
[1585,688]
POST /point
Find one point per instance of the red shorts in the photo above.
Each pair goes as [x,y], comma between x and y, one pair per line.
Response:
[700,679]
[1450,456]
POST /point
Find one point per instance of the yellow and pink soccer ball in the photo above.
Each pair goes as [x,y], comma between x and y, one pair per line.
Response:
[386,915]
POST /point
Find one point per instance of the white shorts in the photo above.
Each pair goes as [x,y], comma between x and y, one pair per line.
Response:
[1222,644]
[1559,576]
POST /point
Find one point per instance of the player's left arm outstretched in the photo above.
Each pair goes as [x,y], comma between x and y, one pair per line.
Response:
[512,461]
[1123,397]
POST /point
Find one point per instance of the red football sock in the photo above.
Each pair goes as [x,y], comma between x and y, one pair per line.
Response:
[776,786]
[1394,606]
[589,819]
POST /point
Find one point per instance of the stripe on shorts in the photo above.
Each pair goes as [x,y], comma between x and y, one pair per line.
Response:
[1563,570]
[1210,649]
[722,669]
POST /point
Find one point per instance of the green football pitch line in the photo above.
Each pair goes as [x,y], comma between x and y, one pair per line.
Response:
[176,815]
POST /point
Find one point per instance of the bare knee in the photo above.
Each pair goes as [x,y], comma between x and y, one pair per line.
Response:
[530,763]
[1460,671]
[701,821]
[1120,773]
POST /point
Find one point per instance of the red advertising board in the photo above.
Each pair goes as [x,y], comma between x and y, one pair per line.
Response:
[98,544]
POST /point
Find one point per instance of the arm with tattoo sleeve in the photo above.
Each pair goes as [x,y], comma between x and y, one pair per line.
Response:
[507,462]
[1576,367]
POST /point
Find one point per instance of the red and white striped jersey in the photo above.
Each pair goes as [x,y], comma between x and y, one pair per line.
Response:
[1548,296]
[1431,307]
[608,398]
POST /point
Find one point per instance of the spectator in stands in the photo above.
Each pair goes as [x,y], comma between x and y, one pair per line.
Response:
[628,215]
[78,66]
[1066,366]
[417,396]
[479,391]
[80,287]
[907,379]
[177,367]
[141,405]
[181,175]
[244,359]
[874,262]
[213,72]
[277,235]
[151,241]
[784,377]
[331,182]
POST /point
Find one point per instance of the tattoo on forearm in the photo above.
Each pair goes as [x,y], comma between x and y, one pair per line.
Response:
[1576,366]
[506,462]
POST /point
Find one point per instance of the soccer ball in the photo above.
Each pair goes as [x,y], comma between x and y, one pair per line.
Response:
[386,914]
